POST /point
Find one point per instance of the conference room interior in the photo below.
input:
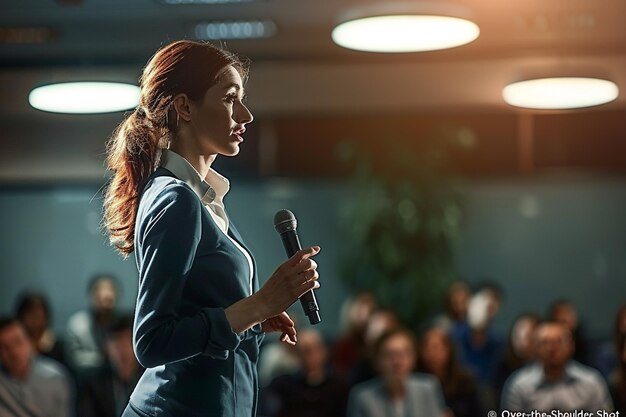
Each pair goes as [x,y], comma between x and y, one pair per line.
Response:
[417,172]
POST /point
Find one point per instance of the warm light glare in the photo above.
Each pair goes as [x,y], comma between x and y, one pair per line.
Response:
[405,33]
[560,93]
[84,97]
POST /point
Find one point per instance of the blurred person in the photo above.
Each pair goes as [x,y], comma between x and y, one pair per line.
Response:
[31,385]
[398,391]
[456,304]
[480,346]
[380,321]
[520,350]
[564,311]
[106,393]
[314,391]
[617,379]
[33,311]
[555,381]
[86,328]
[200,315]
[436,356]
[349,348]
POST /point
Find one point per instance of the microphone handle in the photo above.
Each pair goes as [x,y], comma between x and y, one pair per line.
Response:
[308,301]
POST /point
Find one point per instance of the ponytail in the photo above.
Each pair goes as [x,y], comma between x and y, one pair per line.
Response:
[133,154]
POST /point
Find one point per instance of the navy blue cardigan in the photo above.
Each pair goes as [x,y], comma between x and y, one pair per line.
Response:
[189,271]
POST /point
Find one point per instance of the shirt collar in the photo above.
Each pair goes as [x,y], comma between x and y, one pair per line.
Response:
[211,188]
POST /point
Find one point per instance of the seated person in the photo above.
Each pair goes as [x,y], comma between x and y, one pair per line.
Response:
[86,328]
[107,393]
[34,312]
[397,392]
[436,356]
[30,385]
[555,381]
[313,391]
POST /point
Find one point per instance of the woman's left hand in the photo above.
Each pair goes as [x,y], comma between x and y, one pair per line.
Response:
[281,323]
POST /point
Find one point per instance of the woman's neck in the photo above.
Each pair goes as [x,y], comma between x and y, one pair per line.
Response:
[201,163]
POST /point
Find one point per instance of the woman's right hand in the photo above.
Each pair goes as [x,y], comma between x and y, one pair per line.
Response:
[293,278]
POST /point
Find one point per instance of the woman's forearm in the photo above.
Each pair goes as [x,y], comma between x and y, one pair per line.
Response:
[246,313]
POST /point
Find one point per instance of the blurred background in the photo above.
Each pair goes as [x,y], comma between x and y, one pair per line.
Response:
[408,169]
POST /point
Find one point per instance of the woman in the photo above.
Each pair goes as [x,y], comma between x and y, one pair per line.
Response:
[199,317]
[398,392]
[436,357]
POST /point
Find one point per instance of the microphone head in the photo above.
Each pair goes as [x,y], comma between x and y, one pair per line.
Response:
[284,221]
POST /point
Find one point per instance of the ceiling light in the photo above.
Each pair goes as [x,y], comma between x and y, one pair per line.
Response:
[243,29]
[405,33]
[84,97]
[560,93]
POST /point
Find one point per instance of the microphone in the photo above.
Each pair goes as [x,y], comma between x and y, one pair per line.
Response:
[285,223]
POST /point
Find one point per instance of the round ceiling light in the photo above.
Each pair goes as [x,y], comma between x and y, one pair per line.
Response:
[405,33]
[84,97]
[560,93]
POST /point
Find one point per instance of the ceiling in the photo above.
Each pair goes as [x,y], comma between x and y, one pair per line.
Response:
[308,93]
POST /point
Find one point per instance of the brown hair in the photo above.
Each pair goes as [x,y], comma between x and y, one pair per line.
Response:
[133,151]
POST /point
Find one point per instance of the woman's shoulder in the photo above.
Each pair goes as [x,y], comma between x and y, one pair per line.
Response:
[165,191]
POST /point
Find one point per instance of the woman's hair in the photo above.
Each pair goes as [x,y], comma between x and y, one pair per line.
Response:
[134,150]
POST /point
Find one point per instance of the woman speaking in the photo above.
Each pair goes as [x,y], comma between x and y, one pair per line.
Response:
[200,316]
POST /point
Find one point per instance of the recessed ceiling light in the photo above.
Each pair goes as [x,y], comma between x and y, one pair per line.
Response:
[84,97]
[560,93]
[243,29]
[405,33]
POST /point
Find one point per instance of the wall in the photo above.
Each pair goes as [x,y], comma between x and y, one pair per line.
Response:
[539,238]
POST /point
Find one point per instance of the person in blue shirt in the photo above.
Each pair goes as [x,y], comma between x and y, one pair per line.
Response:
[200,315]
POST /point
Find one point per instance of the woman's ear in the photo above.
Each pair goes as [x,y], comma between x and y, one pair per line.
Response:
[182,107]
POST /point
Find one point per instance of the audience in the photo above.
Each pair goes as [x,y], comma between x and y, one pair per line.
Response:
[436,356]
[375,368]
[31,385]
[397,392]
[106,393]
[86,328]
[33,311]
[314,391]
[555,381]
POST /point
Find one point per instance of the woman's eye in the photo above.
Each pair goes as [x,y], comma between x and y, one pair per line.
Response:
[231,98]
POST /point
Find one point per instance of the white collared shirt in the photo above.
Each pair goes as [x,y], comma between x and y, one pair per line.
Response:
[211,191]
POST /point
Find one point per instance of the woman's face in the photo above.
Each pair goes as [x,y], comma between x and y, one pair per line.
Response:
[434,350]
[396,358]
[218,120]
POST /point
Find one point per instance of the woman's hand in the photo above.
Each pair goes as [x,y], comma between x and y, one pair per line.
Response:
[292,279]
[281,323]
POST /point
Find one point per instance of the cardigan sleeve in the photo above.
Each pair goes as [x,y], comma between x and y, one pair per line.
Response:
[168,235]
